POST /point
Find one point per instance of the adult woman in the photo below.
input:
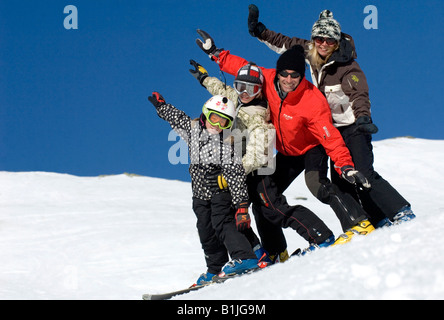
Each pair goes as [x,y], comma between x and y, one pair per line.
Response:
[331,55]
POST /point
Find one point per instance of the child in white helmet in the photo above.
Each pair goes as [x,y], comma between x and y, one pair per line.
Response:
[254,137]
[222,216]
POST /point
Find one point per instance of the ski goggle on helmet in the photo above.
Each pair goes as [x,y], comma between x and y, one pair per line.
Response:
[252,89]
[249,79]
[219,111]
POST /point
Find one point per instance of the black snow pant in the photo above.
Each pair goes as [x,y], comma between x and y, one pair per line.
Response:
[218,233]
[382,200]
[271,233]
[270,202]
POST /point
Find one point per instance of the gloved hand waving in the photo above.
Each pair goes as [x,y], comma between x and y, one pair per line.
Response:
[156,99]
[255,28]
[199,72]
[207,45]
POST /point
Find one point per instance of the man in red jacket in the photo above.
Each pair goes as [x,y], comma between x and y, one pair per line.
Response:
[305,135]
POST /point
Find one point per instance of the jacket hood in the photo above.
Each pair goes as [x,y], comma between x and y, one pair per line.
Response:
[346,51]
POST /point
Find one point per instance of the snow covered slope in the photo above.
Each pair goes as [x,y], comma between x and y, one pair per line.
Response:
[117,237]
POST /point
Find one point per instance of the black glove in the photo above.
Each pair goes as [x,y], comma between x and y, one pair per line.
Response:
[353,176]
[255,28]
[365,125]
[207,45]
[157,100]
[215,181]
[199,72]
[243,220]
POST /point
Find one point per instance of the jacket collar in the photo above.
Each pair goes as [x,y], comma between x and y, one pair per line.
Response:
[254,102]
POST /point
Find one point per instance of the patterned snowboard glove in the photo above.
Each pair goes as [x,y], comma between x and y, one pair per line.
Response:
[243,220]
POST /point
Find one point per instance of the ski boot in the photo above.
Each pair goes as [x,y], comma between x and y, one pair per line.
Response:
[383,223]
[204,278]
[262,255]
[279,258]
[238,266]
[362,228]
[404,215]
[314,246]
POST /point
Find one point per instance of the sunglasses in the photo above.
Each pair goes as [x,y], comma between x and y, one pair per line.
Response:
[219,120]
[293,75]
[252,89]
[321,40]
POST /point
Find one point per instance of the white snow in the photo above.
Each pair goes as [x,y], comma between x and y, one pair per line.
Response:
[118,237]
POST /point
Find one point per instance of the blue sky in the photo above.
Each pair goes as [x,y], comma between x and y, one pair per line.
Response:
[75,101]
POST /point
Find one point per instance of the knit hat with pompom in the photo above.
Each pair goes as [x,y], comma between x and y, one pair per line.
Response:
[326,26]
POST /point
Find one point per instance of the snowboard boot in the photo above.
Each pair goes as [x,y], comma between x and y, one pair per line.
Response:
[238,266]
[314,246]
[204,278]
[362,228]
[404,215]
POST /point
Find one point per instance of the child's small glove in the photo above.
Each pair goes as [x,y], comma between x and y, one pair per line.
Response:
[215,181]
[199,72]
[157,100]
[243,220]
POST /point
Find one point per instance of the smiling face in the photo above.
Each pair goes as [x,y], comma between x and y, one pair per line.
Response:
[212,129]
[245,98]
[288,83]
[325,46]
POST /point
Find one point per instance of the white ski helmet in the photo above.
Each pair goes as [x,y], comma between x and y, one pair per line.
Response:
[220,105]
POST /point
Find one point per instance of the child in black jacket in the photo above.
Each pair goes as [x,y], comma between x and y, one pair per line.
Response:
[222,217]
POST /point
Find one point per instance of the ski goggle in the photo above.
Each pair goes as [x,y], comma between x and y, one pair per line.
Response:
[218,119]
[321,40]
[252,89]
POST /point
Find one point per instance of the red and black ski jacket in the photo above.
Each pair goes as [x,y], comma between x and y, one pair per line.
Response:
[302,119]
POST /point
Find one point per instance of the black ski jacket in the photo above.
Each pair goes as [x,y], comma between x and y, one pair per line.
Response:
[207,153]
